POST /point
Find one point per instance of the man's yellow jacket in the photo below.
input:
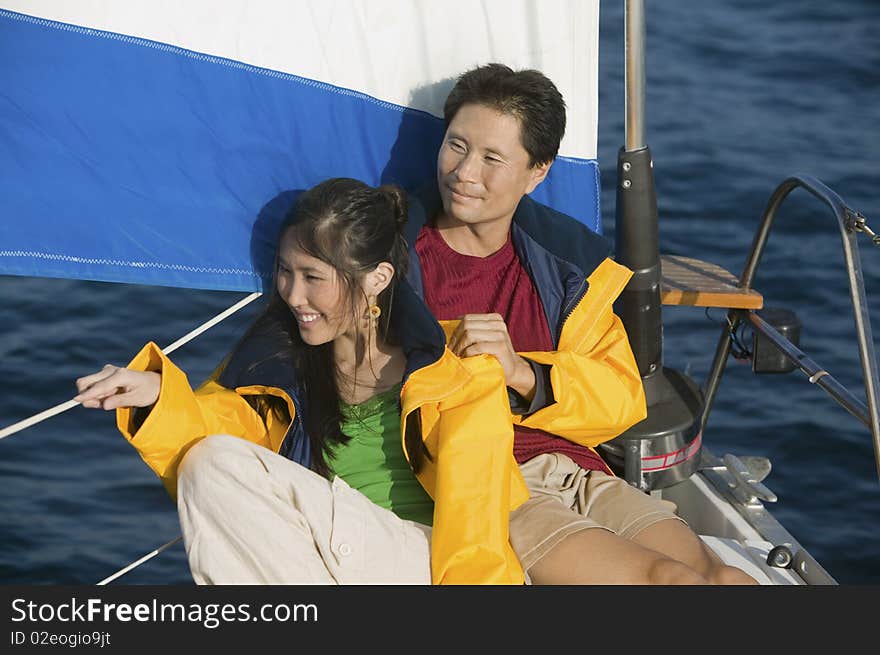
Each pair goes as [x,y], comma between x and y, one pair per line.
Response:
[594,390]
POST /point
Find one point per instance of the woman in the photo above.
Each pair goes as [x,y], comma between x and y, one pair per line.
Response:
[344,367]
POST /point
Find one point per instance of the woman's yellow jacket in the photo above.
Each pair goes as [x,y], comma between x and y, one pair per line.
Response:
[460,406]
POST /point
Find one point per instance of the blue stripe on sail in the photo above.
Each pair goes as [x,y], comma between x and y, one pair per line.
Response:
[129,160]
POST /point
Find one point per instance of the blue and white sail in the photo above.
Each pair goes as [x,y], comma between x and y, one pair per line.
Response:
[159,142]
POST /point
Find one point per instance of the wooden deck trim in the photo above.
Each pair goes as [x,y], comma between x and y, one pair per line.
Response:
[688,281]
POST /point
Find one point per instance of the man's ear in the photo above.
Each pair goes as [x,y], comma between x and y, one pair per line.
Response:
[537,174]
[379,278]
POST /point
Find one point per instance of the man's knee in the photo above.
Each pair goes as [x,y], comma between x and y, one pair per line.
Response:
[730,575]
[665,571]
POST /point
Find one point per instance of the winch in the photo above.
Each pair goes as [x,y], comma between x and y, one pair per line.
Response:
[664,448]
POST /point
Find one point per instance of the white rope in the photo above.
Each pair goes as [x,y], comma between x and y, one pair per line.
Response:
[169,349]
[209,324]
[137,563]
[70,404]
[36,418]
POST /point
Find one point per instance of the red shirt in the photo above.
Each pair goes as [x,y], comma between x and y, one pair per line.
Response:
[456,284]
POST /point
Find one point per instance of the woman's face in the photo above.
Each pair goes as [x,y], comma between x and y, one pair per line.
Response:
[315,294]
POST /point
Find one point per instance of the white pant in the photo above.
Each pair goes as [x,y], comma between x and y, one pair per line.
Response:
[250,516]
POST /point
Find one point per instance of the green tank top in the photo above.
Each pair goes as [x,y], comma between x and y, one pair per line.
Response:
[373,461]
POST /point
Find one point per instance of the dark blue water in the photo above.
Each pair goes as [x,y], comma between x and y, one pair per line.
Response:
[741,94]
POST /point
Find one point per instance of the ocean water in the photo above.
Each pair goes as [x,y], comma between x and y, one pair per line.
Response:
[741,94]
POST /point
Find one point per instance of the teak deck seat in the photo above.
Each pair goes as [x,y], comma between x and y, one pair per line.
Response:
[687,281]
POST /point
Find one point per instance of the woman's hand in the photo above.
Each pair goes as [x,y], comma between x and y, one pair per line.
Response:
[113,387]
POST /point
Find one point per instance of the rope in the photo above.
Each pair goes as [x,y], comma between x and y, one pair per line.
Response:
[70,404]
[209,324]
[63,407]
[137,563]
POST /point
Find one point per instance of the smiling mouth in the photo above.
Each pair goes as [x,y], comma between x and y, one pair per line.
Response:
[459,194]
[306,319]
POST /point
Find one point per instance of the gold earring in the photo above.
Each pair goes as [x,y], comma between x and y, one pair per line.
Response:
[375,311]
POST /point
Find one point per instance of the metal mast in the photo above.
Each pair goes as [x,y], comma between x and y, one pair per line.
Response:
[671,432]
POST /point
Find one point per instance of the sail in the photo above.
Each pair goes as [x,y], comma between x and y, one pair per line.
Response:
[160,142]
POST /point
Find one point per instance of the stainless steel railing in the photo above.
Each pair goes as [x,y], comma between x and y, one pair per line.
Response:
[850,223]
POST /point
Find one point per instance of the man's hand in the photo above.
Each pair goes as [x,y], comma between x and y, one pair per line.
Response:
[486,334]
[113,387]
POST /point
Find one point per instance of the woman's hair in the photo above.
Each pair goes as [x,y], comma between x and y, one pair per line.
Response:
[352,227]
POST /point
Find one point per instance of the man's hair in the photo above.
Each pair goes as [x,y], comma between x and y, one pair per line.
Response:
[526,94]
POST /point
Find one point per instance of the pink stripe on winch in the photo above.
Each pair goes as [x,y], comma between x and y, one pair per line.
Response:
[668,460]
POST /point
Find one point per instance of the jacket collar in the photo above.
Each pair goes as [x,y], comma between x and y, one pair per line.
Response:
[558,251]
[560,234]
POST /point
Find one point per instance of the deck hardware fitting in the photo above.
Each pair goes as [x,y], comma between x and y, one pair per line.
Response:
[780,557]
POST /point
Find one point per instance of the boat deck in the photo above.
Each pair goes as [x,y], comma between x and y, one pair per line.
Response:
[751,557]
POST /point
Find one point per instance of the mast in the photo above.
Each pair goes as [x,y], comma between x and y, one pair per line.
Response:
[637,244]
[634,28]
[671,432]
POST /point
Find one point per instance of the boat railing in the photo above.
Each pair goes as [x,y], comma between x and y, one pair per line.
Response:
[850,223]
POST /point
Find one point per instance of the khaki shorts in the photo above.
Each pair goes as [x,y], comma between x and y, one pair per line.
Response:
[566,499]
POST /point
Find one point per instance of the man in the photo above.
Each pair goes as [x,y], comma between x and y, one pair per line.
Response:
[535,288]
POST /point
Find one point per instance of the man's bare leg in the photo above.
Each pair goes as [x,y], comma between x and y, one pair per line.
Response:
[677,541]
[595,556]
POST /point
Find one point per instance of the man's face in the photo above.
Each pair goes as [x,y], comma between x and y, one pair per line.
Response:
[483,169]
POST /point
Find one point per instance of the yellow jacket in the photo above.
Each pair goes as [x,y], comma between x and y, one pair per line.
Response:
[459,405]
[596,391]
[596,387]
